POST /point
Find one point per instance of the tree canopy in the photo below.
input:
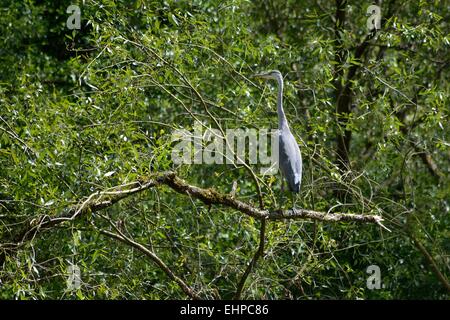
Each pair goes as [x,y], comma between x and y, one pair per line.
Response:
[88,181]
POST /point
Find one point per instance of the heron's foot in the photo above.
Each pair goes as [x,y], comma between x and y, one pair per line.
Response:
[294,198]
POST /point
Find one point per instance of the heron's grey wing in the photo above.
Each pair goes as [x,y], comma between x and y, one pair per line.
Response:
[290,160]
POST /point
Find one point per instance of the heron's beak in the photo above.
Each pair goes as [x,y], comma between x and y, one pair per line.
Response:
[260,76]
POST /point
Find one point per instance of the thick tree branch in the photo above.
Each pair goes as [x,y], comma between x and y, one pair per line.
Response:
[343,83]
[102,200]
[322,216]
[428,161]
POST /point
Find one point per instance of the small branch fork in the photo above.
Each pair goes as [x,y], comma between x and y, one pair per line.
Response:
[103,199]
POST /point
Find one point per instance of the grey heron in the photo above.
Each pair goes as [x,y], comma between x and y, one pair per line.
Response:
[289,158]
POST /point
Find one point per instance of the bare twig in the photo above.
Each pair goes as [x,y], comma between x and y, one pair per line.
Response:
[430,261]
[259,253]
[123,238]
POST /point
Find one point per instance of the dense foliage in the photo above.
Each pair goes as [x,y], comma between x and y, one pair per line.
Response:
[87,110]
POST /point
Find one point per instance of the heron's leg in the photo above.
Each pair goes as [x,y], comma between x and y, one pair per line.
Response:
[282,191]
[294,198]
[282,197]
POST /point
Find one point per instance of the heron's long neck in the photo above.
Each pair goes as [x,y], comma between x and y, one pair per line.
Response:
[282,121]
